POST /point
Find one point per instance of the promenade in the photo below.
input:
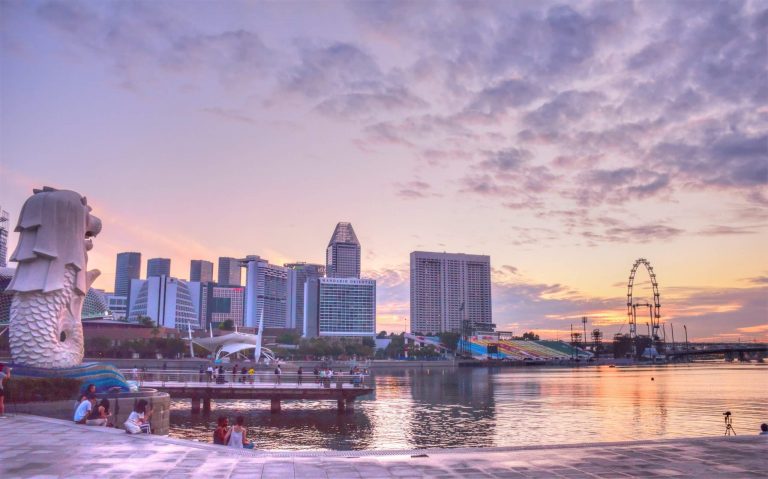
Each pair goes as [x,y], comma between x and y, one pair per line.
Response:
[39,447]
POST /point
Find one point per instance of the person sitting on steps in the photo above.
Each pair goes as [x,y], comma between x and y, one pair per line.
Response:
[138,420]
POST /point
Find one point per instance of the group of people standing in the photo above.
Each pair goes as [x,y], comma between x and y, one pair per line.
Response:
[219,375]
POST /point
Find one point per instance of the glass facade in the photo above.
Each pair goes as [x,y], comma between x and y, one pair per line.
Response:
[128,267]
[347,307]
[229,271]
[158,267]
[201,271]
[304,273]
[342,257]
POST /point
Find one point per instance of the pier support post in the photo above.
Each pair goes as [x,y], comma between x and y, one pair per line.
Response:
[195,405]
[350,406]
[206,405]
[340,404]
[275,406]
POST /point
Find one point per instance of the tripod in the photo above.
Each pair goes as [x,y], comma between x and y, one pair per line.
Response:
[729,430]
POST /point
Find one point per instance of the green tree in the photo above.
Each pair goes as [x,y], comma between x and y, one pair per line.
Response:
[382,335]
[531,336]
[450,340]
[227,325]
[370,342]
[288,337]
[145,321]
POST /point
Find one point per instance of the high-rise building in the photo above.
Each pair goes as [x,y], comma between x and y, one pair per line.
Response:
[340,307]
[447,288]
[221,303]
[170,302]
[128,268]
[201,271]
[5,227]
[342,257]
[266,290]
[303,273]
[229,271]
[158,267]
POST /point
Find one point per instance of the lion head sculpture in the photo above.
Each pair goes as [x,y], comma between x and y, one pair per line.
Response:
[55,229]
[51,280]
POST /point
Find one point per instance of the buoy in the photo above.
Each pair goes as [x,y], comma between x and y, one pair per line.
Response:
[652,379]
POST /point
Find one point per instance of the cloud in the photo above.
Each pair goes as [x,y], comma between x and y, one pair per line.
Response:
[231,115]
[415,189]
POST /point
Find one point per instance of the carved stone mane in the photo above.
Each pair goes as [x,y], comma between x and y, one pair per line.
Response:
[55,229]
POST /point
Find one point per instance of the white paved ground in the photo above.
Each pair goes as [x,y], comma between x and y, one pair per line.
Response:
[32,446]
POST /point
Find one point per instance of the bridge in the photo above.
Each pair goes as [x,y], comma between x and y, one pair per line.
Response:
[742,351]
[343,388]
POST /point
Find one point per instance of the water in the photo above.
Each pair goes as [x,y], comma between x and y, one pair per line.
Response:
[479,407]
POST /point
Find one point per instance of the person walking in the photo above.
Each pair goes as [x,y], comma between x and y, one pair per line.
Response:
[278,373]
[298,374]
[210,373]
[201,374]
[235,368]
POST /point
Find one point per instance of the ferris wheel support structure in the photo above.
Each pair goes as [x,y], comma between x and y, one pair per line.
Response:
[654,308]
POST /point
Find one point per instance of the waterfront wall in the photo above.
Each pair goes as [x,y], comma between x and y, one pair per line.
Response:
[120,406]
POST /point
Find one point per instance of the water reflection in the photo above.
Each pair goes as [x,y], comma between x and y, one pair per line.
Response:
[478,407]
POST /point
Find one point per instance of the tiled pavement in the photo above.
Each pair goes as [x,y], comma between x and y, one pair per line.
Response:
[32,446]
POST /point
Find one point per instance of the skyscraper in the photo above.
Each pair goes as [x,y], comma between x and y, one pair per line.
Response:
[266,290]
[304,272]
[342,257]
[158,267]
[201,270]
[5,227]
[128,267]
[229,271]
[340,307]
[170,302]
[447,288]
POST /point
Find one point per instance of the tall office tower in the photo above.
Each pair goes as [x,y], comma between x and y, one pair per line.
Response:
[340,307]
[303,273]
[221,303]
[200,270]
[447,288]
[342,257]
[170,302]
[5,227]
[229,271]
[158,267]
[266,290]
[128,267]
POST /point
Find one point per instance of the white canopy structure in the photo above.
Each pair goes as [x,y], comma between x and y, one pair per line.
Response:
[233,343]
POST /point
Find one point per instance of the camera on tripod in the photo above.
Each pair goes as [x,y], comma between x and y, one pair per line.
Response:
[727,417]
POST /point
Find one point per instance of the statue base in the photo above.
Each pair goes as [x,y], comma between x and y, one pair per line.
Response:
[105,377]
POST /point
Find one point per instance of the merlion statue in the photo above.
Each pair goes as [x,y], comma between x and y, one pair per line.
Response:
[55,230]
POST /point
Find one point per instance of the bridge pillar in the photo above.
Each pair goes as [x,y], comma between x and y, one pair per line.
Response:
[195,405]
[206,405]
[275,405]
[350,406]
[340,404]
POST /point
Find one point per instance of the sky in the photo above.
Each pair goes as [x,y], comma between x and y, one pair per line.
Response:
[564,139]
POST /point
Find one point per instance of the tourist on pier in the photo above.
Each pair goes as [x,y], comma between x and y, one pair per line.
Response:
[299,373]
[220,375]
[243,374]
[237,434]
[235,368]
[201,373]
[278,373]
[99,416]
[138,420]
[210,373]
[220,433]
[251,374]
[84,409]
[764,429]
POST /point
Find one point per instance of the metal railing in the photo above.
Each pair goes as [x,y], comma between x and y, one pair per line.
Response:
[257,380]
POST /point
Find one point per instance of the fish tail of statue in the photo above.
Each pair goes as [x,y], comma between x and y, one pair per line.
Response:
[38,341]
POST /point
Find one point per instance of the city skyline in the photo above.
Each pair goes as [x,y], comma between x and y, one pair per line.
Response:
[601,134]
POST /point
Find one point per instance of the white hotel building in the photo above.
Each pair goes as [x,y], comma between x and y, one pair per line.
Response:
[447,288]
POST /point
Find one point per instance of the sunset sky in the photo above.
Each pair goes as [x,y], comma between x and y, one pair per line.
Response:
[565,140]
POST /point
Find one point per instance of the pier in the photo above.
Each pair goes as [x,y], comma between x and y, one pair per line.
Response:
[43,447]
[345,389]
